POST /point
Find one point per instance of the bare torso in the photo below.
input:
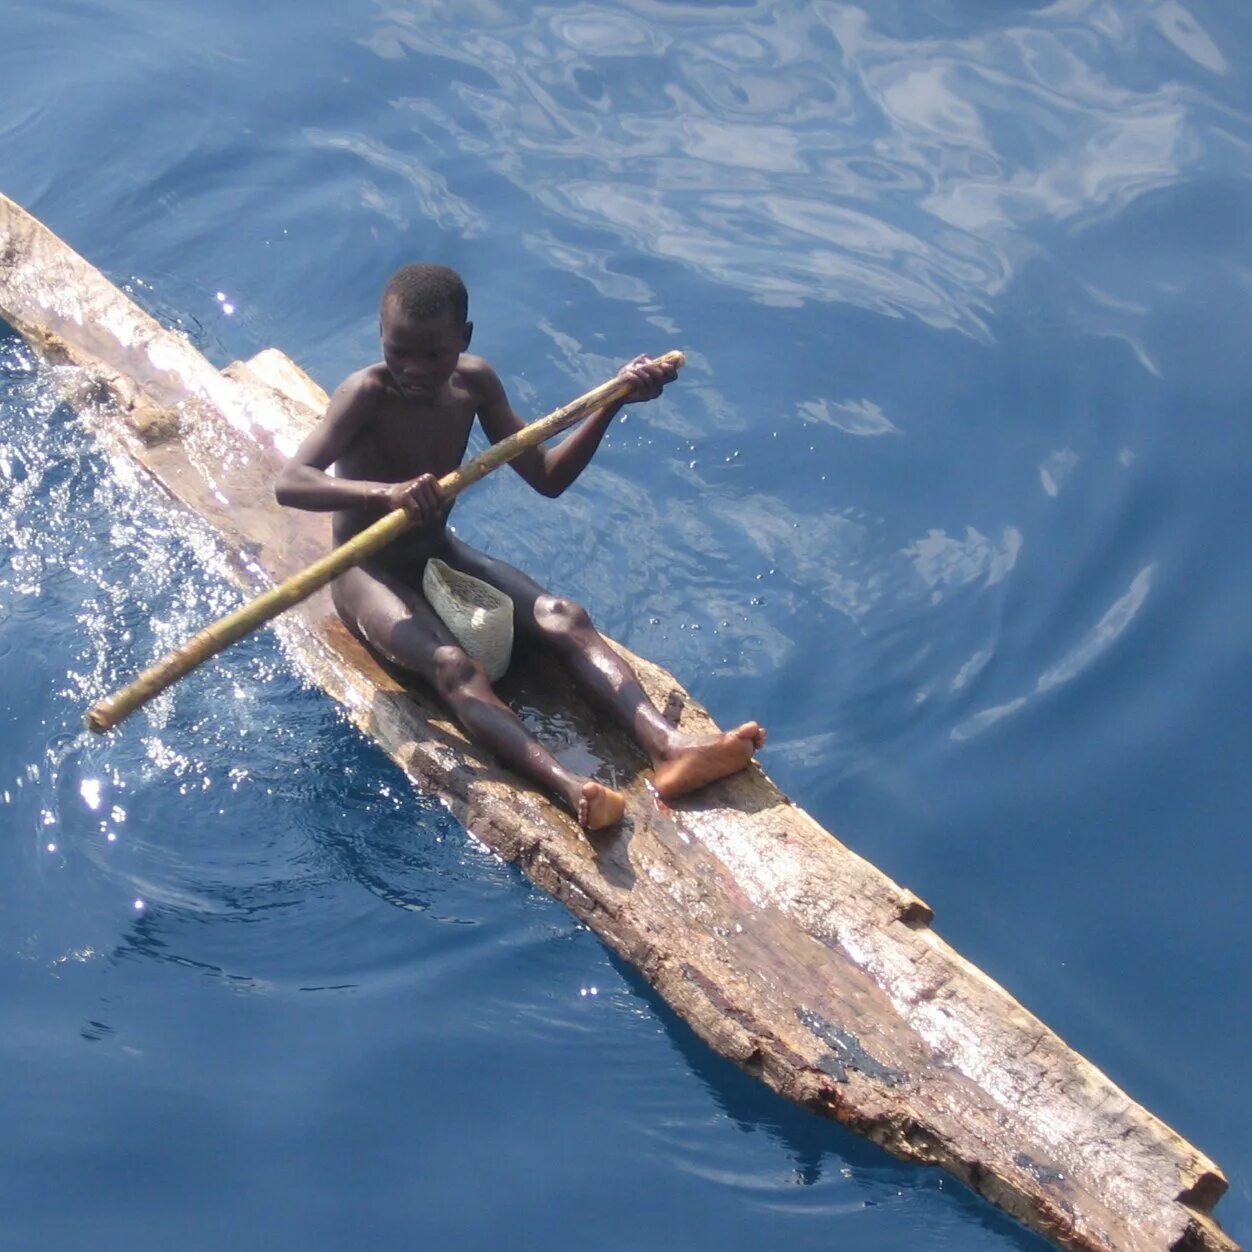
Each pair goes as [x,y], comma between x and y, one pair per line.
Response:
[400,438]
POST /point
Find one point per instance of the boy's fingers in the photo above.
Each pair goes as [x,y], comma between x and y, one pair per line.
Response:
[425,497]
[420,496]
[647,377]
[653,377]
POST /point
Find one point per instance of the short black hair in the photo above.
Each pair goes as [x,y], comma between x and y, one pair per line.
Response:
[428,291]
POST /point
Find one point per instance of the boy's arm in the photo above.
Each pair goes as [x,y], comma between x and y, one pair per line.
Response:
[303,482]
[550,470]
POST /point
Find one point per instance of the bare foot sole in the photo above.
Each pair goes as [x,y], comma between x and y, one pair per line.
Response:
[706,759]
[599,806]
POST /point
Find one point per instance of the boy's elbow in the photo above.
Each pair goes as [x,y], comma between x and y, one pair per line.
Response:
[283,489]
[543,482]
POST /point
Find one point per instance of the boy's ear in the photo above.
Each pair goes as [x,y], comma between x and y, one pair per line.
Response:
[469,334]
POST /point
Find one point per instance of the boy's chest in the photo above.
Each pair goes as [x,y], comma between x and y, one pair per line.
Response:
[403,444]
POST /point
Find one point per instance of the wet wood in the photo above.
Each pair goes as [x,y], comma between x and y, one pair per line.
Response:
[782,948]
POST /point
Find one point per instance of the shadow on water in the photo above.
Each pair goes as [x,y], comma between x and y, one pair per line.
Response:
[814,1144]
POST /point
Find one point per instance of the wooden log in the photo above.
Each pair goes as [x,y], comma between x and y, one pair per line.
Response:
[782,948]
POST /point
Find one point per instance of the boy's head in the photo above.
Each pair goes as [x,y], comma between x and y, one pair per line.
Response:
[421,292]
[424,328]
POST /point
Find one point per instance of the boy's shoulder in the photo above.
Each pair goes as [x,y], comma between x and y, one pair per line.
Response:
[369,382]
[474,368]
[361,394]
[480,380]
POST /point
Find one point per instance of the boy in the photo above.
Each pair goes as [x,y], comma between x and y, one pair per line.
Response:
[391,431]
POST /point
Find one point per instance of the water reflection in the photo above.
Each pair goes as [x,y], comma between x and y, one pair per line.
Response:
[430,190]
[1102,636]
[942,560]
[853,417]
[800,151]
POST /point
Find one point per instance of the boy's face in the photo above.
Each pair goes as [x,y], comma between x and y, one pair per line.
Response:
[421,353]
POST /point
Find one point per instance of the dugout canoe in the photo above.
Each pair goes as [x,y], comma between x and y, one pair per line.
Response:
[783,949]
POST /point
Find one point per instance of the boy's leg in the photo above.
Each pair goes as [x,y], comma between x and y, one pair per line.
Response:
[396,621]
[682,762]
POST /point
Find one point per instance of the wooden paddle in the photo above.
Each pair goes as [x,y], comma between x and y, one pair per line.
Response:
[251,616]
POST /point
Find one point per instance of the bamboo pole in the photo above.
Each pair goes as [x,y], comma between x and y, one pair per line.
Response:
[243,621]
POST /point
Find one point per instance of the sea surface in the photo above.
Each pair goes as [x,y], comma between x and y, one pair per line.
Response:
[953,496]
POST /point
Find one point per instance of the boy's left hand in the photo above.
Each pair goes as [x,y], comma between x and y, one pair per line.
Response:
[647,377]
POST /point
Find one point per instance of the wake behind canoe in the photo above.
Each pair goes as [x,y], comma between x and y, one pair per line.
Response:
[782,948]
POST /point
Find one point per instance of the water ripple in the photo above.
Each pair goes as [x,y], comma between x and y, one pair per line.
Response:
[1102,636]
[141,830]
[802,151]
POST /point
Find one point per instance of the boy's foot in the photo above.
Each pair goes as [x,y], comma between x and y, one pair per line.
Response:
[599,806]
[706,758]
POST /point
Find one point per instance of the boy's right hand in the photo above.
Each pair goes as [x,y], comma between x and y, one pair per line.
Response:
[419,496]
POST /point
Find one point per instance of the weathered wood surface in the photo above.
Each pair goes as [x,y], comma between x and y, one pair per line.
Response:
[784,950]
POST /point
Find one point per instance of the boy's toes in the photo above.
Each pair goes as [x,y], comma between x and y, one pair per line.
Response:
[599,806]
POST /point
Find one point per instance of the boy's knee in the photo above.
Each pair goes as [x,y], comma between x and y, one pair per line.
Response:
[342,601]
[556,615]
[455,668]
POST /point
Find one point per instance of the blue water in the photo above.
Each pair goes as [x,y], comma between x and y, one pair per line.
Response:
[952,495]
